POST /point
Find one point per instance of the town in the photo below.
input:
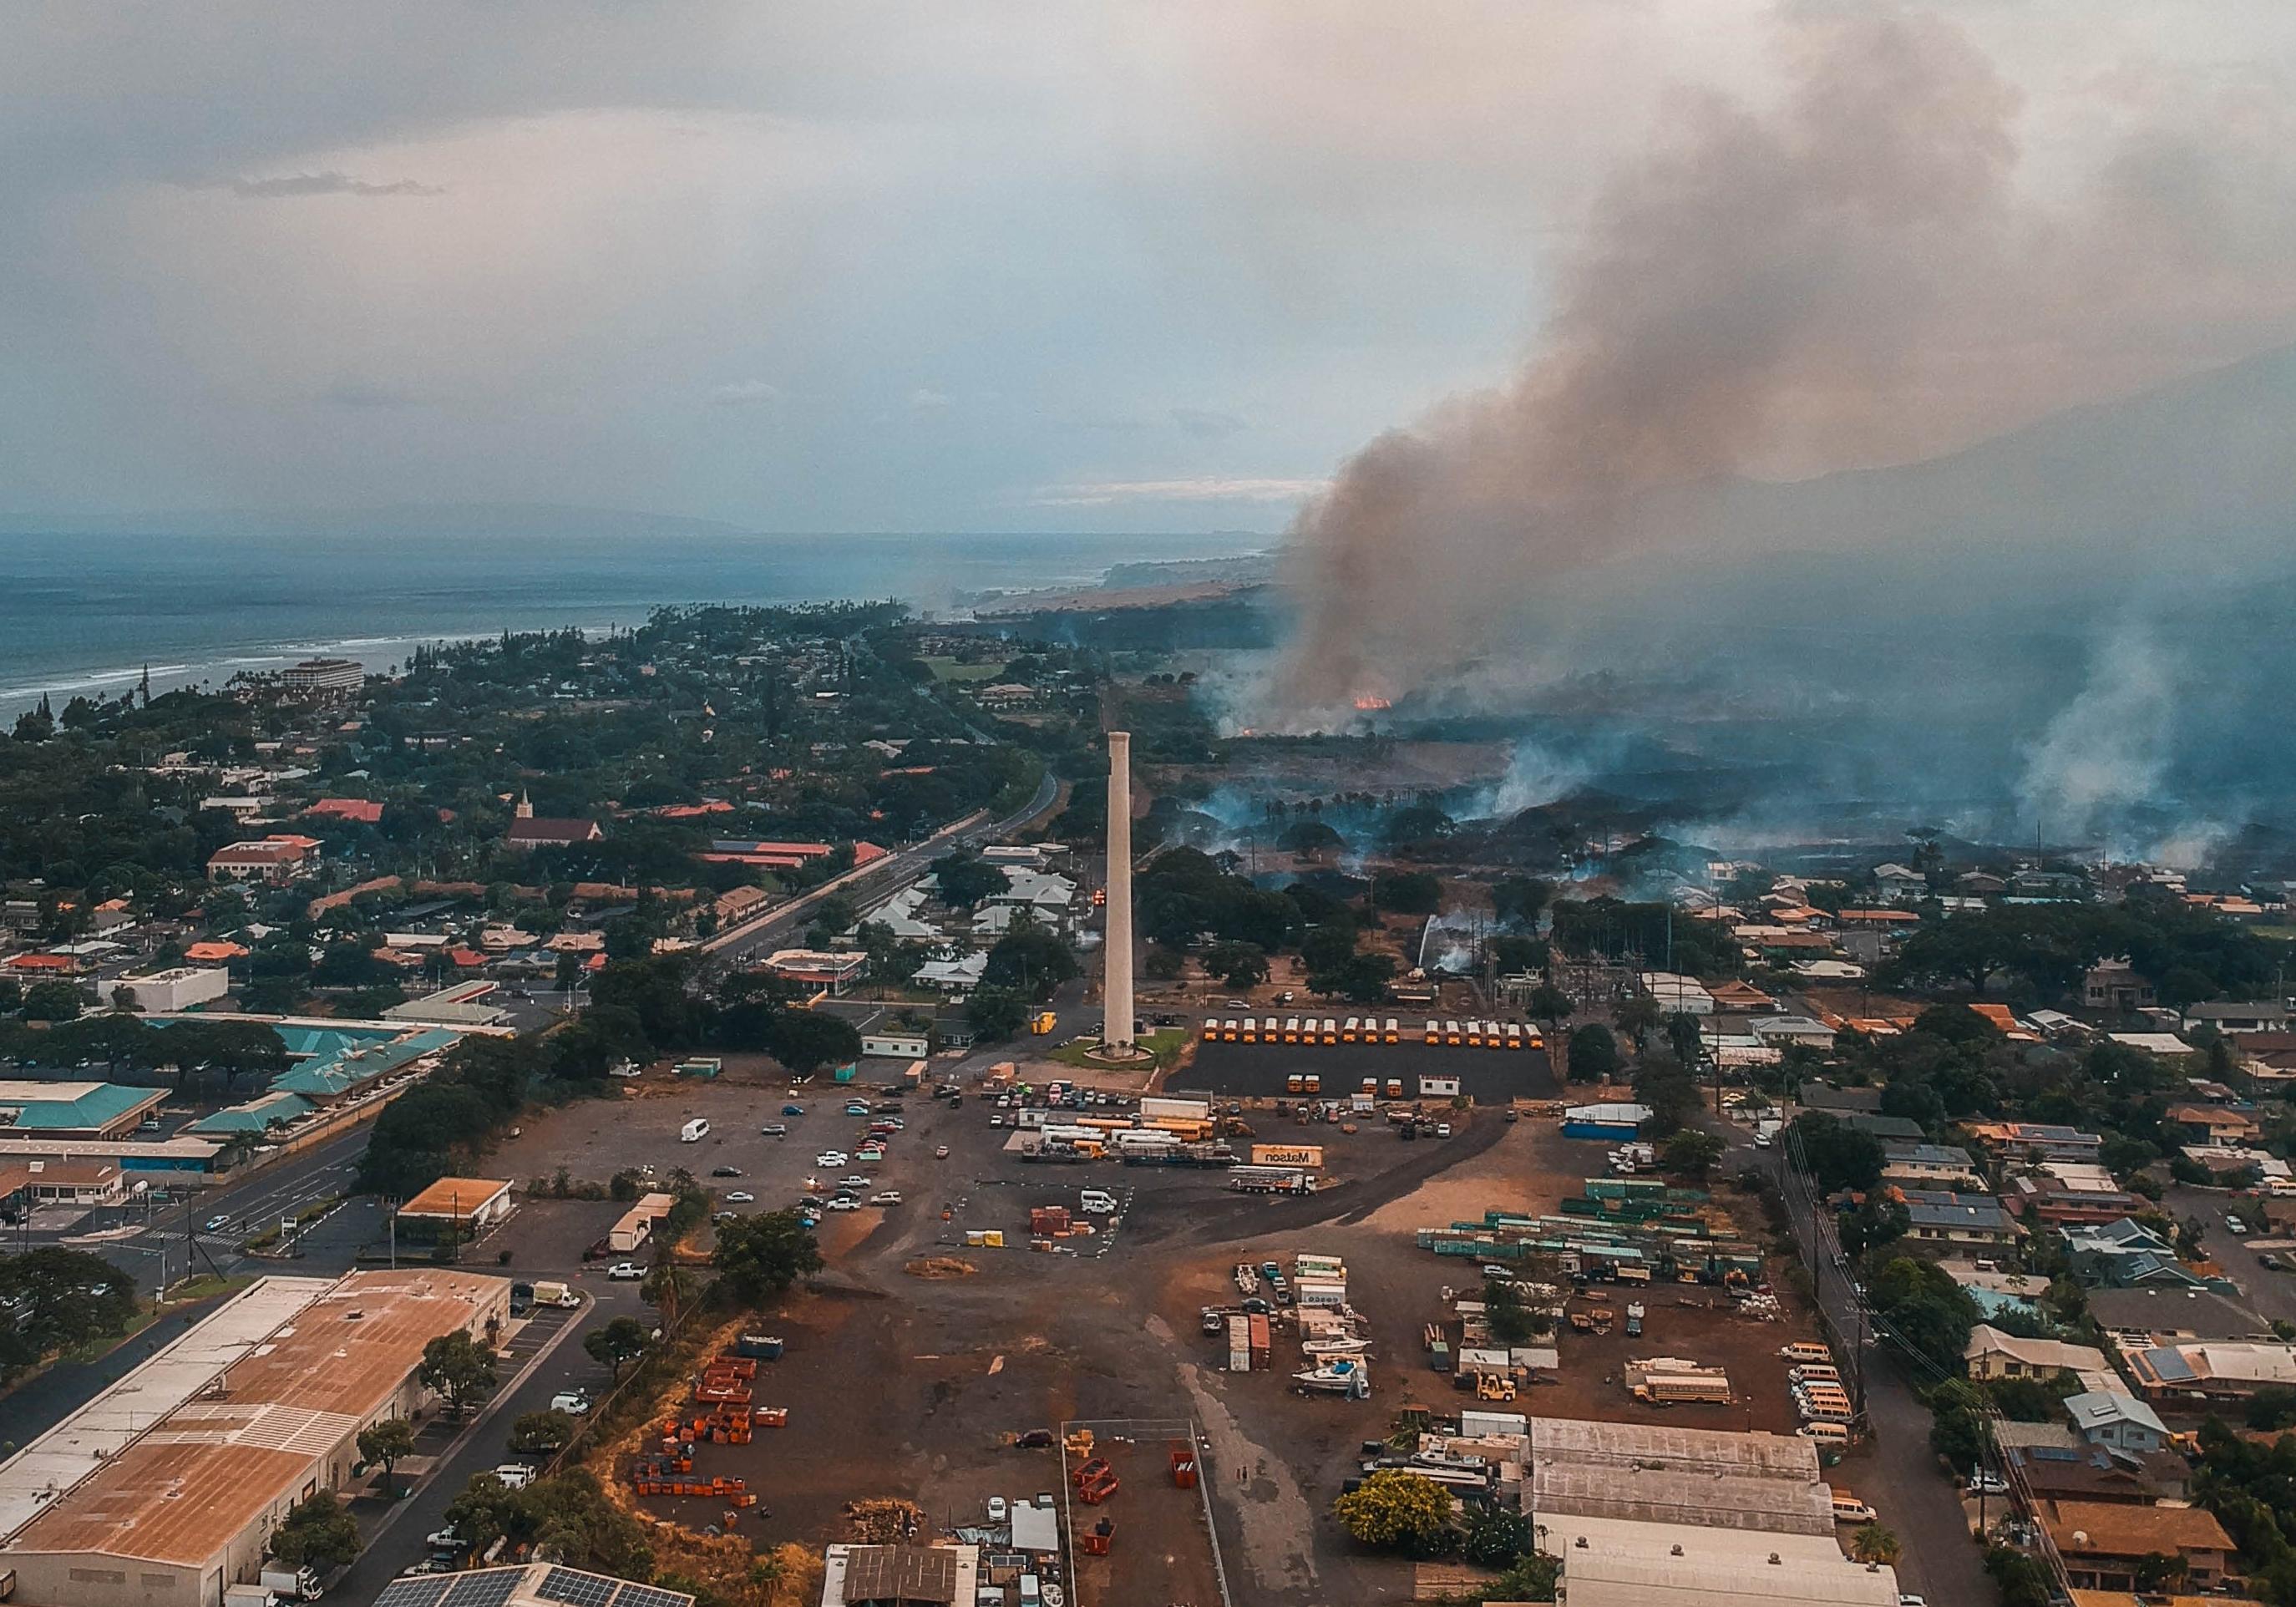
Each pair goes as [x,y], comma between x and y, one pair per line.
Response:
[819,1105]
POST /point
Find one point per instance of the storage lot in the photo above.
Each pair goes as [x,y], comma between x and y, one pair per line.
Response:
[906,1386]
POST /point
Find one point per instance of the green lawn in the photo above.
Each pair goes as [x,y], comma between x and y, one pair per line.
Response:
[1165,1044]
[949,669]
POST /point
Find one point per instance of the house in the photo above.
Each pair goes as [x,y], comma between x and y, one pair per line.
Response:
[1678,994]
[2036,1140]
[1840,1102]
[2104,1545]
[2215,1369]
[2217,1126]
[1940,1220]
[529,830]
[2108,1417]
[2117,1253]
[2168,1046]
[1902,1129]
[276,859]
[1992,1354]
[953,976]
[901,1576]
[1981,884]
[2239,1019]
[1896,883]
[2045,1200]
[2117,985]
[2159,1316]
[357,811]
[2095,1472]
[1997,1293]
[1926,1163]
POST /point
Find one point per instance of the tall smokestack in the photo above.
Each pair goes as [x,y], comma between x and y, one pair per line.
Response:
[1116,1029]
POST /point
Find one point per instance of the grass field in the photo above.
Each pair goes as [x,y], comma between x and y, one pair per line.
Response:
[949,669]
[1165,1044]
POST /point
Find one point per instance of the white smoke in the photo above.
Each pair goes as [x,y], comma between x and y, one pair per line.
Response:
[1537,774]
[2106,751]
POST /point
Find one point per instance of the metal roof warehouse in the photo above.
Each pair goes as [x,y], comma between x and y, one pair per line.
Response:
[121,1506]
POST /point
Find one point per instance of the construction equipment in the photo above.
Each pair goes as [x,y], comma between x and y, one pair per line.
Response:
[1079,1444]
[1494,1386]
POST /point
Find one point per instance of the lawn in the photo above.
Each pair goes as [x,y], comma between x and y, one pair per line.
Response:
[1165,1044]
[950,669]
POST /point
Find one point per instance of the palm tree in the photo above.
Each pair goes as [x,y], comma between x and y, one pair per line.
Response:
[1873,1544]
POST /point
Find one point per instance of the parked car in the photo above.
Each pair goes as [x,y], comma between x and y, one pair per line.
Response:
[845,1202]
[517,1475]
[792,1110]
[891,1196]
[741,1196]
[940,1152]
[446,1539]
[855,1181]
[856,1109]
[1442,1129]
[626,1272]
[1985,1481]
[214,1225]
[832,1158]
[775,1129]
[725,1171]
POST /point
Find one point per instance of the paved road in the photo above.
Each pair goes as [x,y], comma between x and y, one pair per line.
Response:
[887,876]
[1898,1473]
[398,1540]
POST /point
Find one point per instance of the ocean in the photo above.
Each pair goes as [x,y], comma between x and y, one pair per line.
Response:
[88,613]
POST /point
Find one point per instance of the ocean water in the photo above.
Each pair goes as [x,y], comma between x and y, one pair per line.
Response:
[81,612]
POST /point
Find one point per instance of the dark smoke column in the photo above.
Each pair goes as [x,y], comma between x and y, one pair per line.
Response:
[1116,1027]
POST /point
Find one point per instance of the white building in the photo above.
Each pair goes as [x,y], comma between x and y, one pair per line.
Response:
[179,988]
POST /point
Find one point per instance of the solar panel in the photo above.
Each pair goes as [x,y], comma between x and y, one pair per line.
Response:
[647,1595]
[576,1587]
[419,1591]
[492,1588]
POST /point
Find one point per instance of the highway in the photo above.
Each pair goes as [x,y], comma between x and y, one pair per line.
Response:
[888,876]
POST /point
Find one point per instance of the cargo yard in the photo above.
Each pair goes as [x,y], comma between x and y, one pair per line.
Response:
[1314,1281]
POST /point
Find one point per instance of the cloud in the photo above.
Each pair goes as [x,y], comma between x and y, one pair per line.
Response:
[351,391]
[294,185]
[1094,494]
[924,400]
[1206,424]
[746,393]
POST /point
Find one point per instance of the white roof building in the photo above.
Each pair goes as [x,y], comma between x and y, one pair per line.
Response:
[1611,1563]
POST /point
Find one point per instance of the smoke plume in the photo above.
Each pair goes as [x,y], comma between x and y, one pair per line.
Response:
[2106,751]
[1850,277]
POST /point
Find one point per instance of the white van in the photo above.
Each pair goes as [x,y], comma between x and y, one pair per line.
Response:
[1824,1433]
[1816,1373]
[694,1131]
[1096,1202]
[1805,1350]
[1849,1509]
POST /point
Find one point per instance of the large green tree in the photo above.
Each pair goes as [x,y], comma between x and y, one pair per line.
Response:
[758,1256]
[458,1368]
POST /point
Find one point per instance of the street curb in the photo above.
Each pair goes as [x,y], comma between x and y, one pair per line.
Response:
[495,1403]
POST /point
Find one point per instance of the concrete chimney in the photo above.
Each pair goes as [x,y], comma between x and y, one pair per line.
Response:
[1116,1029]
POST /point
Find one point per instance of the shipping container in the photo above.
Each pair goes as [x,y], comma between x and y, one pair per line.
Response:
[1287,1154]
[1182,1110]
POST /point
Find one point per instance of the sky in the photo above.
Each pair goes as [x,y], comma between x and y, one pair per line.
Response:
[867,266]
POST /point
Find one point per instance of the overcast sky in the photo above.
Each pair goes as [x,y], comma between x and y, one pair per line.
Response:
[943,264]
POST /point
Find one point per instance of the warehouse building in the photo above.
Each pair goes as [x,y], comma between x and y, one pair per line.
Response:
[1608,1562]
[76,1111]
[166,1488]
[177,987]
[464,1206]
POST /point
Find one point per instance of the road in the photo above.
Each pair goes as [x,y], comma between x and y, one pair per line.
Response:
[398,1540]
[1898,1474]
[895,871]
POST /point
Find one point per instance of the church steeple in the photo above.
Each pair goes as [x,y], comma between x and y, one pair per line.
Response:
[524,810]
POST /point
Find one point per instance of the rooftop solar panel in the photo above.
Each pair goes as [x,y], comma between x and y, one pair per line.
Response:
[647,1595]
[576,1587]
[491,1587]
[419,1592]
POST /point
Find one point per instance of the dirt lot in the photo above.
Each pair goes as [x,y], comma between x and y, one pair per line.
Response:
[905,1385]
